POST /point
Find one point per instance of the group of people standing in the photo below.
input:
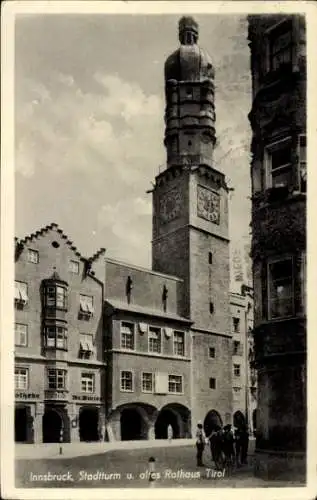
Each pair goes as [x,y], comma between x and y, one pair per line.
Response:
[226,447]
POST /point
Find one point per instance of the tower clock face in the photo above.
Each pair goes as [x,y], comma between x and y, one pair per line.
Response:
[170,205]
[208,204]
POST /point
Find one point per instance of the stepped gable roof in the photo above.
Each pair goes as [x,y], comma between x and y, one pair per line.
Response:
[55,227]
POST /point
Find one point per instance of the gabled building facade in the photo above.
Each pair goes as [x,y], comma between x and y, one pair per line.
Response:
[59,343]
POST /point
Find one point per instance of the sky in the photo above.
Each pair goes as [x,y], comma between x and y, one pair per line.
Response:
[89,107]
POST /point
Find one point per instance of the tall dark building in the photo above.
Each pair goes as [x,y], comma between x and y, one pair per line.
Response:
[278,170]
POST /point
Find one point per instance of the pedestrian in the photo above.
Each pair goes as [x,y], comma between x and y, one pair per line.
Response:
[228,447]
[237,443]
[215,441]
[169,433]
[244,445]
[200,444]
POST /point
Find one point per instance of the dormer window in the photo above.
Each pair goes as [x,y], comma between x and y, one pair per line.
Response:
[20,293]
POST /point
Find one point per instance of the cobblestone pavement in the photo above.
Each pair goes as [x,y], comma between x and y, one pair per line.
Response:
[175,466]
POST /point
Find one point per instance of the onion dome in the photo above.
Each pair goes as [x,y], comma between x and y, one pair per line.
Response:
[189,62]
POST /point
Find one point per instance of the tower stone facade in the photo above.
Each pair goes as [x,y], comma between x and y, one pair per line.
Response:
[278,170]
[190,221]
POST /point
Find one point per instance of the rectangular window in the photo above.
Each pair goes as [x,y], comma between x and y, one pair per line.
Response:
[74,266]
[21,335]
[154,339]
[147,382]
[60,297]
[86,304]
[56,337]
[86,345]
[212,352]
[211,307]
[175,384]
[127,336]
[236,325]
[212,383]
[302,163]
[33,256]
[21,378]
[56,379]
[126,381]
[236,347]
[87,382]
[56,297]
[210,258]
[280,289]
[179,344]
[280,46]
[278,159]
[20,292]
[236,370]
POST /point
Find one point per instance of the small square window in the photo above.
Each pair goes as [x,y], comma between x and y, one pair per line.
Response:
[74,266]
[212,352]
[212,383]
[33,256]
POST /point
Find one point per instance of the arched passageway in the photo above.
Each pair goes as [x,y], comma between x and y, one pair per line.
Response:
[52,425]
[132,424]
[212,422]
[22,424]
[88,424]
[165,418]
[238,419]
[175,415]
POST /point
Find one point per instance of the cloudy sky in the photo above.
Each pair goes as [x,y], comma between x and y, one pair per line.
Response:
[89,123]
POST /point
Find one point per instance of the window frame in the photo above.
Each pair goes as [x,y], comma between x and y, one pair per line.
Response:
[86,353]
[71,267]
[212,382]
[211,349]
[268,150]
[17,386]
[170,382]
[279,29]
[178,343]
[52,333]
[237,370]
[132,381]
[147,391]
[150,331]
[22,291]
[269,263]
[85,377]
[86,307]
[26,333]
[58,372]
[53,296]
[32,252]
[132,333]
[236,325]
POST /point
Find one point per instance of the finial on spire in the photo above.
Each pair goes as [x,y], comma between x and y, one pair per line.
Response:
[187,30]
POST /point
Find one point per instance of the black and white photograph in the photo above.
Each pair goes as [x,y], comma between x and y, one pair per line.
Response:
[156,217]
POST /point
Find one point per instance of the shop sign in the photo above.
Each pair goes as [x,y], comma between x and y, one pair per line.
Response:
[85,397]
[26,395]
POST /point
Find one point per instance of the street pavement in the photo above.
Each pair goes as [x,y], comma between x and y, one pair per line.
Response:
[175,466]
